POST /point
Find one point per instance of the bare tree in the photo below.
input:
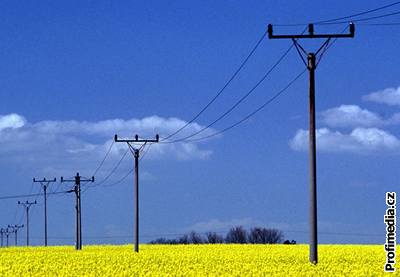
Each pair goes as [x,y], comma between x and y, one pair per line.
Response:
[195,238]
[236,235]
[184,239]
[264,235]
[213,237]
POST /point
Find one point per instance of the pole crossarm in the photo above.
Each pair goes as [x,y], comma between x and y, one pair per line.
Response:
[136,139]
[44,181]
[310,34]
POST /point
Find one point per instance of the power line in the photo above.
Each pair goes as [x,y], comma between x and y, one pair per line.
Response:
[31,195]
[363,19]
[109,174]
[261,107]
[343,17]
[358,14]
[380,24]
[221,90]
[270,70]
[105,157]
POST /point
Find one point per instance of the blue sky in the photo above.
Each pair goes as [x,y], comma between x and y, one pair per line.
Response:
[75,73]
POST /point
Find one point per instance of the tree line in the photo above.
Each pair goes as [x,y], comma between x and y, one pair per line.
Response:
[238,234]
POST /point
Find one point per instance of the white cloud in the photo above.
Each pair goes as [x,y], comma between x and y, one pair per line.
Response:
[13,121]
[58,144]
[389,96]
[350,116]
[360,140]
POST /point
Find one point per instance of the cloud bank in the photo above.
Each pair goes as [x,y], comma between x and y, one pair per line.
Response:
[54,143]
[361,130]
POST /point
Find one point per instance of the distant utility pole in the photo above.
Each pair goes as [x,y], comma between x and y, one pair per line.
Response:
[7,235]
[77,189]
[311,65]
[2,232]
[136,153]
[45,183]
[15,229]
[27,205]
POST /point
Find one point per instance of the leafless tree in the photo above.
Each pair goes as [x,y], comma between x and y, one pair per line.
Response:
[236,235]
[264,236]
[213,237]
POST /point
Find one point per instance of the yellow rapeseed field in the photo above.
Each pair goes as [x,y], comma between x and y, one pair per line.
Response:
[192,260]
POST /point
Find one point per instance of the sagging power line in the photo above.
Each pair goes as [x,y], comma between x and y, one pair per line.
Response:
[220,91]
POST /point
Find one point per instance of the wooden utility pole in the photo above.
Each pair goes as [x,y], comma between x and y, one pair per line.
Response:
[136,153]
[77,189]
[45,183]
[311,65]
[27,205]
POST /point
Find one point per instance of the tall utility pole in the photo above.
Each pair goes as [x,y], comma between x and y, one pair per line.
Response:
[77,188]
[45,183]
[311,65]
[136,153]
[15,229]
[27,205]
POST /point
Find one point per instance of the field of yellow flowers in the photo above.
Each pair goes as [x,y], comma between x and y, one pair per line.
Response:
[192,260]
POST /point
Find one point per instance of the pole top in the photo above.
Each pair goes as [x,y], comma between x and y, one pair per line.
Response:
[352,29]
[311,29]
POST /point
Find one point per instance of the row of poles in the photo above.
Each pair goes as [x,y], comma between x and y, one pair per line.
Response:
[13,229]
[311,65]
[77,180]
[6,232]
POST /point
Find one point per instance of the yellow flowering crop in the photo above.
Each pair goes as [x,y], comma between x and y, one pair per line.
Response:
[192,260]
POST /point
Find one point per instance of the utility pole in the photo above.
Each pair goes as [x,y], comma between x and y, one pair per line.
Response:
[136,153]
[2,232]
[311,65]
[15,229]
[7,235]
[77,189]
[27,205]
[45,183]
